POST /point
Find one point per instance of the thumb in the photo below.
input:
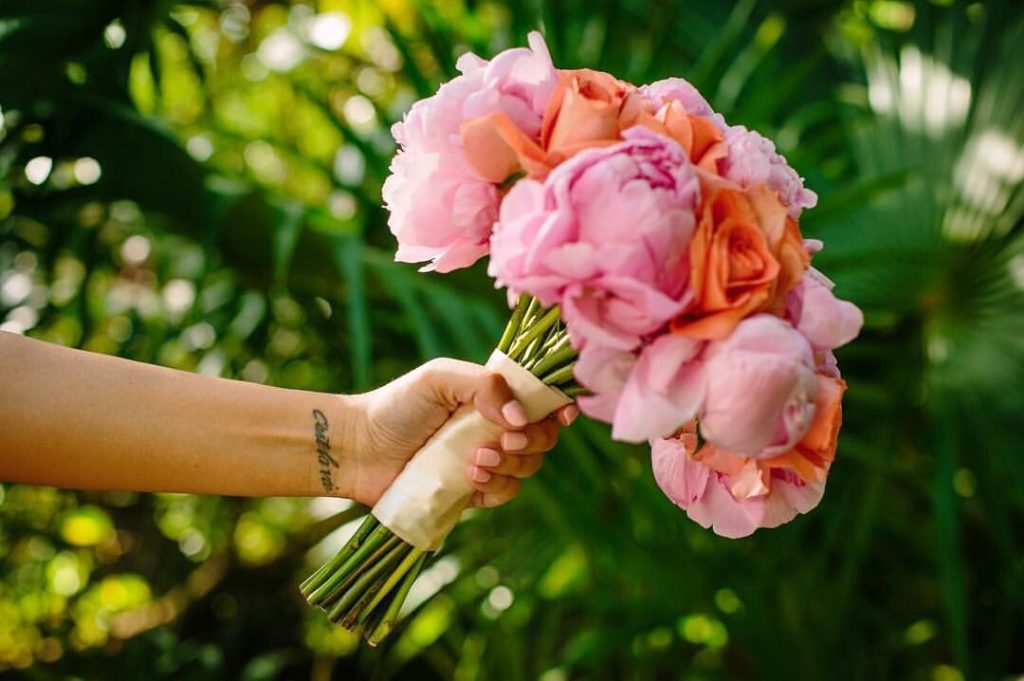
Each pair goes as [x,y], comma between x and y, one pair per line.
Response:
[456,383]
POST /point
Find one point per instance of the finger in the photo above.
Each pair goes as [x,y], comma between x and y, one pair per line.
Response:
[533,439]
[503,463]
[494,400]
[459,382]
[498,490]
[567,414]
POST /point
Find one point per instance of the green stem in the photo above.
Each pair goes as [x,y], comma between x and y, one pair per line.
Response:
[358,589]
[560,375]
[543,346]
[560,353]
[394,579]
[377,539]
[512,328]
[558,332]
[531,312]
[379,632]
[575,391]
[375,617]
[533,332]
[316,579]
[367,563]
[530,353]
[359,612]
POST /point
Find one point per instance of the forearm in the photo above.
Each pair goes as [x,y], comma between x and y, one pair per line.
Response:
[87,421]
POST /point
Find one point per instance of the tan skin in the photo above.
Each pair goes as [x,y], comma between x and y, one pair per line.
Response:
[82,420]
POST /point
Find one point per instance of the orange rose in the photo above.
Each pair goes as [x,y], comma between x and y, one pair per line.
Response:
[794,260]
[586,109]
[698,135]
[497,149]
[745,256]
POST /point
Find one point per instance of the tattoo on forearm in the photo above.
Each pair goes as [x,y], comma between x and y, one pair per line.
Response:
[323,450]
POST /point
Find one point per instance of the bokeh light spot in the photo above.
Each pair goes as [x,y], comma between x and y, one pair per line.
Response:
[945,672]
[86,526]
[501,598]
[14,287]
[38,169]
[199,147]
[281,51]
[64,573]
[359,111]
[234,22]
[727,601]
[114,34]
[349,165]
[179,294]
[342,204]
[964,483]
[135,249]
[920,632]
[87,170]
[701,629]
[328,31]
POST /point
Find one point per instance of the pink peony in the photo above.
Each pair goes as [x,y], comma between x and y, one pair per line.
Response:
[826,364]
[442,210]
[604,372]
[824,320]
[680,90]
[752,159]
[605,236]
[732,504]
[760,388]
[647,396]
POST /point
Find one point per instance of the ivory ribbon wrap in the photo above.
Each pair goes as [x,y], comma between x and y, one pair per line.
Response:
[425,501]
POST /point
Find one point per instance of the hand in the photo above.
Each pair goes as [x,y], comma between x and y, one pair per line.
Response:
[394,421]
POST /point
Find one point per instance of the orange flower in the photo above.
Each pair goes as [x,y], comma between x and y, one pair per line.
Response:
[812,456]
[698,135]
[809,460]
[586,109]
[746,254]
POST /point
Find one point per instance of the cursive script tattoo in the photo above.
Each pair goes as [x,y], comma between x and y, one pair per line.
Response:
[323,450]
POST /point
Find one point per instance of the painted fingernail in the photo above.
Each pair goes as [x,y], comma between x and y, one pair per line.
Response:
[513,442]
[514,414]
[568,415]
[487,457]
[480,475]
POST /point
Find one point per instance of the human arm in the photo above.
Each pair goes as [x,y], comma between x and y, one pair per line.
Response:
[87,421]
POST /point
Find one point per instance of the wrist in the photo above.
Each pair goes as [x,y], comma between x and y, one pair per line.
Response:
[337,436]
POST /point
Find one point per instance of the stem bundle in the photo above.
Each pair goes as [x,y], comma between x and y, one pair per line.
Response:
[364,586]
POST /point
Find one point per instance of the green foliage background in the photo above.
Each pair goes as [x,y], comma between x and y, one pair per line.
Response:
[198,185]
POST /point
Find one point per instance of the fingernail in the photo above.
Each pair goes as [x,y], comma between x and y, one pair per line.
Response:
[487,457]
[480,475]
[514,414]
[513,442]
[490,500]
[568,415]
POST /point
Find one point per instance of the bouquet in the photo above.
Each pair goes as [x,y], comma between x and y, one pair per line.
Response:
[654,261]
